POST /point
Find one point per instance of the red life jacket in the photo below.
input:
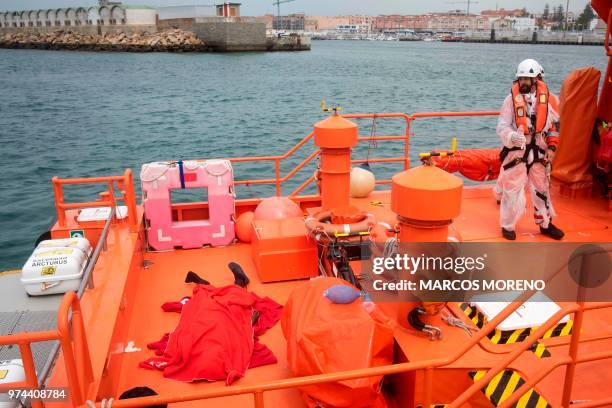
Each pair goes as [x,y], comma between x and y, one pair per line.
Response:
[520,107]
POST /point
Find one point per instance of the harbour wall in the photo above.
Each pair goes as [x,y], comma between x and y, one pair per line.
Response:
[232,36]
[220,34]
[84,30]
[535,37]
[288,43]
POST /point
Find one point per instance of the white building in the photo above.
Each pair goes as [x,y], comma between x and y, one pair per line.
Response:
[524,23]
[353,28]
[597,24]
[226,9]
[173,12]
[81,16]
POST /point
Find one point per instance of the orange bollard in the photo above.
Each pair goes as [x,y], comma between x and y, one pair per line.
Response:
[335,136]
[425,199]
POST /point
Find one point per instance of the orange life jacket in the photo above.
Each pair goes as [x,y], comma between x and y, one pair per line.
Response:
[520,107]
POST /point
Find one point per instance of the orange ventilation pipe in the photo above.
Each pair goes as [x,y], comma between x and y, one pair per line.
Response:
[426,199]
[335,136]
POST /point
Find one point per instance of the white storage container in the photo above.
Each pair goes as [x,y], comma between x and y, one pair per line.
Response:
[80,243]
[55,266]
[10,371]
[101,213]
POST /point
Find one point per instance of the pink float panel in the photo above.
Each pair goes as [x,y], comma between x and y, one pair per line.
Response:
[160,178]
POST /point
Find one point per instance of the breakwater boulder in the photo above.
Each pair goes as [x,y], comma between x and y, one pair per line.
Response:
[292,42]
[173,40]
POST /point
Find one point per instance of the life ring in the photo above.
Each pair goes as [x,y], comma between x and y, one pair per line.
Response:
[319,223]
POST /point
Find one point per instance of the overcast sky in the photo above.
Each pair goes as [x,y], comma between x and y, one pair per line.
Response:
[321,7]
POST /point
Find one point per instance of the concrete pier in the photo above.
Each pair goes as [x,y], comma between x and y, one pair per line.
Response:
[534,37]
[82,28]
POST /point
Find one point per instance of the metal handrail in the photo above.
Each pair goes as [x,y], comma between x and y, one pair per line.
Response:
[86,282]
[73,343]
[406,138]
[79,368]
[126,187]
[258,389]
[278,181]
[429,365]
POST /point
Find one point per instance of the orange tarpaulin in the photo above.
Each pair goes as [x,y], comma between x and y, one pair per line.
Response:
[475,164]
[324,337]
[578,114]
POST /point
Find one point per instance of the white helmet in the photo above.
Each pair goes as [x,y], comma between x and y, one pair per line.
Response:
[529,68]
[541,70]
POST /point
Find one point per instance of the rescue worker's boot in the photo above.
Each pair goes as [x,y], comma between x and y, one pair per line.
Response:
[509,235]
[552,231]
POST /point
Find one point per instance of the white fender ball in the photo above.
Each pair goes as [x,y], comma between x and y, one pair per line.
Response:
[362,182]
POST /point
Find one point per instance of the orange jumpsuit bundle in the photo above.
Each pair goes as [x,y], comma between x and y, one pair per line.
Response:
[474,164]
[326,337]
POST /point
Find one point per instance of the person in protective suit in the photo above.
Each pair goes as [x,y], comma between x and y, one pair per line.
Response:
[528,129]
[554,105]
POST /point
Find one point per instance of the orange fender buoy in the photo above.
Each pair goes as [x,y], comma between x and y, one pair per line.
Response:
[243,226]
[274,208]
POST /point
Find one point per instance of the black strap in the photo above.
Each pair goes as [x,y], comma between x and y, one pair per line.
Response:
[181,174]
[513,163]
[543,197]
[532,146]
[504,152]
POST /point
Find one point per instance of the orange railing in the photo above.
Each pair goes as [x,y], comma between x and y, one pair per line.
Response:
[79,371]
[73,342]
[578,309]
[279,180]
[258,390]
[124,183]
[78,363]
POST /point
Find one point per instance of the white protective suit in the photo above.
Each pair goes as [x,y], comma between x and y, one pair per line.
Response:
[514,180]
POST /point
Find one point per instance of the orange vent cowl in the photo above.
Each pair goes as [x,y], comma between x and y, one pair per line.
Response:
[426,193]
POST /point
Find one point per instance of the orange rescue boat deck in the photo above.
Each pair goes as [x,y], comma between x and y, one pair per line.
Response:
[137,318]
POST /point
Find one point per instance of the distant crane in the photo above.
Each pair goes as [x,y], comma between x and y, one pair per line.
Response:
[277,3]
[278,25]
[458,2]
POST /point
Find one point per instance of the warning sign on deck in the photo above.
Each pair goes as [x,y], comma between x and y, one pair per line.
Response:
[48,270]
[77,233]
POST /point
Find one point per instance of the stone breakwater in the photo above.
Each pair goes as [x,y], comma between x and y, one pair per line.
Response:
[164,41]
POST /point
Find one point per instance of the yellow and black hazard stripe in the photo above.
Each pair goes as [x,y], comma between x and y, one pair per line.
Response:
[474,315]
[539,350]
[504,384]
[519,335]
